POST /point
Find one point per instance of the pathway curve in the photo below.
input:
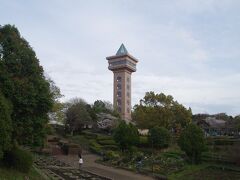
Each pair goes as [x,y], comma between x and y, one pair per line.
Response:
[91,166]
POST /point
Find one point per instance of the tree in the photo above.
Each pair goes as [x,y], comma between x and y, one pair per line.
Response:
[192,142]
[5,125]
[57,112]
[159,137]
[77,115]
[23,83]
[99,106]
[126,135]
[160,110]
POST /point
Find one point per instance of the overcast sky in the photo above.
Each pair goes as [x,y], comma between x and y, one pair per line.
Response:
[189,49]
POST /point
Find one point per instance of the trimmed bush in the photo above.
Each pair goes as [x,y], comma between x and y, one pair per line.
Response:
[143,141]
[111,155]
[18,159]
[95,147]
[107,142]
[90,135]
[110,147]
[100,138]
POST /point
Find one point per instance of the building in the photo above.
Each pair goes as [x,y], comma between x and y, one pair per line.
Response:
[122,65]
[217,127]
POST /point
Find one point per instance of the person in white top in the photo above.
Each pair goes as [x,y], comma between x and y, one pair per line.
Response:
[80,161]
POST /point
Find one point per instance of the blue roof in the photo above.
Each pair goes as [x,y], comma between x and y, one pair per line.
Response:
[122,50]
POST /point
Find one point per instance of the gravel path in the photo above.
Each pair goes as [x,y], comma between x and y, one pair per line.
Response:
[91,166]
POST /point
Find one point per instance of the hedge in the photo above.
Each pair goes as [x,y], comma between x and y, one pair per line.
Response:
[18,159]
[107,142]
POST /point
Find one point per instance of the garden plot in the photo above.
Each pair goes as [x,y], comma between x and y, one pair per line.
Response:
[58,170]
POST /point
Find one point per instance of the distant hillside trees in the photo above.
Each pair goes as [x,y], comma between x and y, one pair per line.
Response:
[161,110]
[24,85]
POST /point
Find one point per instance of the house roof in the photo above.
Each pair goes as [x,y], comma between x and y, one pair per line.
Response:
[215,123]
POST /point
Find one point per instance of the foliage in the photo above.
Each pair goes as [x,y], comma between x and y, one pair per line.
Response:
[95,147]
[57,111]
[110,147]
[143,141]
[192,142]
[77,115]
[5,125]
[111,155]
[126,135]
[23,83]
[159,137]
[100,106]
[6,173]
[18,159]
[160,110]
[107,142]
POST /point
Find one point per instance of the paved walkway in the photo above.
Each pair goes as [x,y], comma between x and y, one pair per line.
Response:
[91,166]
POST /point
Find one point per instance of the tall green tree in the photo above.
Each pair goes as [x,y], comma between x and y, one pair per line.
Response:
[57,112]
[25,86]
[126,135]
[5,125]
[77,115]
[159,137]
[193,142]
[160,110]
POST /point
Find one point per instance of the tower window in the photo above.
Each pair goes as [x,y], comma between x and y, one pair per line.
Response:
[128,110]
[119,109]
[128,86]
[128,79]
[119,102]
[119,78]
[128,94]
[128,102]
[119,86]
[119,94]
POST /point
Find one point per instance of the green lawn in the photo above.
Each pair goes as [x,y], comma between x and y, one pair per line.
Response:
[10,174]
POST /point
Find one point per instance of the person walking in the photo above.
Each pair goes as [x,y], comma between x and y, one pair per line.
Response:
[80,159]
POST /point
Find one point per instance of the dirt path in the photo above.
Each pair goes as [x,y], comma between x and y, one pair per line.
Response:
[91,166]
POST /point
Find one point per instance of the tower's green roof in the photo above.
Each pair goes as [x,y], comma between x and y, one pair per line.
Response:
[122,50]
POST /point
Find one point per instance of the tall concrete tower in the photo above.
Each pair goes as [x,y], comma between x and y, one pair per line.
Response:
[122,65]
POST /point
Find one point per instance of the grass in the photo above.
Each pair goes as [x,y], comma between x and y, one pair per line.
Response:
[11,174]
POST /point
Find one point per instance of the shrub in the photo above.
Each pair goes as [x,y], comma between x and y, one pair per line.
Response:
[110,147]
[192,142]
[100,138]
[18,159]
[95,147]
[111,155]
[159,137]
[107,142]
[143,141]
[90,135]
